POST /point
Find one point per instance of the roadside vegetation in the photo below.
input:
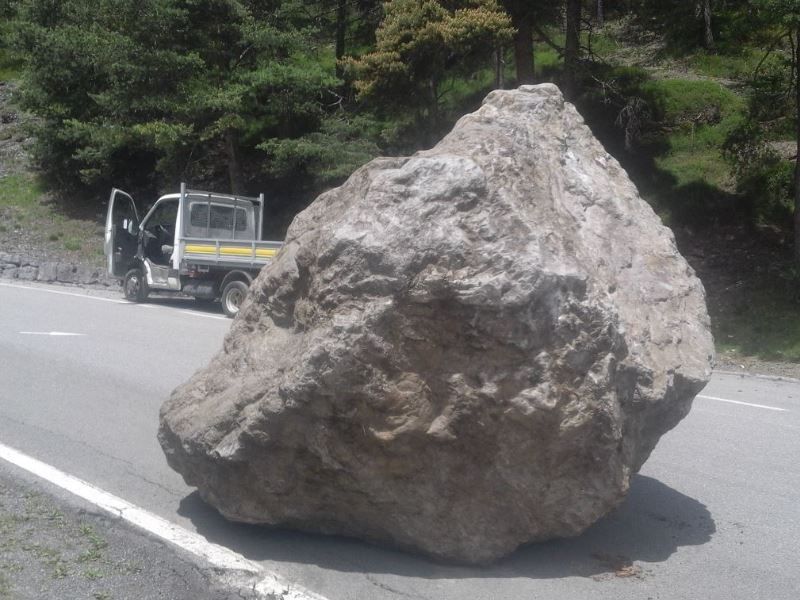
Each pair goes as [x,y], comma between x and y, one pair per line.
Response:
[43,548]
[36,220]
[696,98]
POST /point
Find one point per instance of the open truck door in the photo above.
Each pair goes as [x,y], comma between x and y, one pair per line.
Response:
[122,233]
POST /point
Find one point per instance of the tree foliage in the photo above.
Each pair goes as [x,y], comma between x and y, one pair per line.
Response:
[419,45]
[290,96]
[179,88]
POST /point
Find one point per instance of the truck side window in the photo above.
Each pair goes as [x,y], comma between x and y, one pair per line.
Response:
[221,222]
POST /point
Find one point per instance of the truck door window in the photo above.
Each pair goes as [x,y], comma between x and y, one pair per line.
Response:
[160,232]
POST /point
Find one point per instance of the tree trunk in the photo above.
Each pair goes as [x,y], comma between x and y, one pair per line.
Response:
[572,48]
[234,169]
[434,123]
[601,13]
[523,49]
[341,30]
[708,34]
[796,82]
[499,69]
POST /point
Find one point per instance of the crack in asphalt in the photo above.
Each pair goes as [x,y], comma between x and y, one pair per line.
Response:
[387,588]
[130,466]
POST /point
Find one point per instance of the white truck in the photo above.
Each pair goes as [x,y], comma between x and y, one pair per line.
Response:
[203,244]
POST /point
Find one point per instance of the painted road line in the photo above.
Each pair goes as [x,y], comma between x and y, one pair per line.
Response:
[265,582]
[53,333]
[115,301]
[184,311]
[704,397]
[199,314]
[49,291]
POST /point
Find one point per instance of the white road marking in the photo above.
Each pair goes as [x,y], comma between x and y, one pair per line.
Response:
[266,583]
[197,314]
[49,291]
[53,333]
[742,403]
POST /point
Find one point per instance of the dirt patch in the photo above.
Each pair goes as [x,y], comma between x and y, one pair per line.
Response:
[617,566]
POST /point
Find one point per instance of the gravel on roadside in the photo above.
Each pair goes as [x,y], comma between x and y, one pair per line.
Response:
[51,547]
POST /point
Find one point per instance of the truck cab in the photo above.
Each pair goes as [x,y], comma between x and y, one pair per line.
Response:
[203,244]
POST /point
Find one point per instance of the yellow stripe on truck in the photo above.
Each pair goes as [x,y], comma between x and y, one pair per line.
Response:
[201,249]
[231,251]
[266,252]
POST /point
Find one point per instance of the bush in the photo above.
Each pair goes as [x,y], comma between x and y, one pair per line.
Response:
[761,175]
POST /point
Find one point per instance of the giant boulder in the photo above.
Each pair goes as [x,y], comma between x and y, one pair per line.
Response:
[458,352]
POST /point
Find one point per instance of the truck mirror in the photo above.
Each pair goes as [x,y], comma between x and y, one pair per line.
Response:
[132,228]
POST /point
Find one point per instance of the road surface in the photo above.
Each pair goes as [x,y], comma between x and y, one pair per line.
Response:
[715,512]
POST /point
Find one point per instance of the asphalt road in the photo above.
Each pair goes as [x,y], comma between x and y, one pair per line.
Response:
[715,513]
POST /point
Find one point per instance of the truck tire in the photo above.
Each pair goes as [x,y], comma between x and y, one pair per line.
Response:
[232,297]
[134,286]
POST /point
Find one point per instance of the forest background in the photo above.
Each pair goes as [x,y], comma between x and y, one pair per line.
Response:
[698,99]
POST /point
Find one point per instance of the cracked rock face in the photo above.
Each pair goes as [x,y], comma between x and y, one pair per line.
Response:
[458,352]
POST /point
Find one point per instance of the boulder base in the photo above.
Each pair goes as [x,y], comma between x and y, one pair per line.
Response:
[458,352]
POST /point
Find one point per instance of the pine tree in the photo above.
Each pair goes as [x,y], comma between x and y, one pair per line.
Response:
[143,93]
[421,43]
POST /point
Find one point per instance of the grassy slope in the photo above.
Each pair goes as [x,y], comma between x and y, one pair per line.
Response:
[752,283]
[31,221]
[696,101]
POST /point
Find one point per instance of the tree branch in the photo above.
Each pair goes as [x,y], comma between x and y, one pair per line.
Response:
[770,50]
[547,40]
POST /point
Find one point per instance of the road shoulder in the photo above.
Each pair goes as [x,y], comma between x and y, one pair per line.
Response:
[55,546]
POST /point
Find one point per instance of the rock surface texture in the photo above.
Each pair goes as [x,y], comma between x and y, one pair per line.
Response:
[458,352]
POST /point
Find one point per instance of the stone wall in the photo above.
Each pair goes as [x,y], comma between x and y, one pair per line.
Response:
[16,266]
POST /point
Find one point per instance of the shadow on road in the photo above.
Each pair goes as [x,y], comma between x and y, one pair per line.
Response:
[653,522]
[185,303]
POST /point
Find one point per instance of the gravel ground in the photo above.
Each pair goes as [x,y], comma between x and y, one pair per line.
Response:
[750,365]
[53,548]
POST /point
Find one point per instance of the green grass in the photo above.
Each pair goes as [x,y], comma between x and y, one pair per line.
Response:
[603,46]
[25,208]
[19,190]
[458,90]
[5,587]
[706,166]
[10,68]
[744,330]
[545,59]
[73,244]
[694,154]
[92,574]
[726,66]
[698,116]
[679,100]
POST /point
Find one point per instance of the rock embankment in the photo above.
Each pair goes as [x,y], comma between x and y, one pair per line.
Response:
[16,266]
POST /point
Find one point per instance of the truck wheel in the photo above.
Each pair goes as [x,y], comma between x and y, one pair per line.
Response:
[134,286]
[233,296]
